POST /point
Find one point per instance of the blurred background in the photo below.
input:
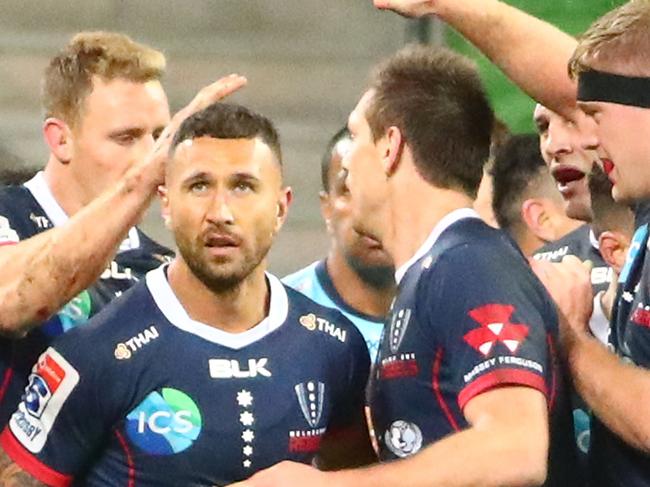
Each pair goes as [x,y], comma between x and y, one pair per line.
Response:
[307,62]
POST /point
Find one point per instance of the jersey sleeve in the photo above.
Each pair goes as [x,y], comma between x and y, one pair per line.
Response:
[493,321]
[59,421]
[351,399]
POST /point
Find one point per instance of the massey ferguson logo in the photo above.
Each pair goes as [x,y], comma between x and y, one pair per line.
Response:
[398,325]
[495,327]
[231,369]
[311,396]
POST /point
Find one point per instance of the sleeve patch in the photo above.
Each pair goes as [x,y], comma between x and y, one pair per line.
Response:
[50,384]
[495,327]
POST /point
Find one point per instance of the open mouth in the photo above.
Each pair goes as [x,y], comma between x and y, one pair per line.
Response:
[566,174]
[221,241]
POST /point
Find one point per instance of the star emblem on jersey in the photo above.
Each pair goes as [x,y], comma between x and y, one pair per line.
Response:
[246,418]
[495,327]
[247,450]
[311,397]
[248,436]
[398,325]
[244,398]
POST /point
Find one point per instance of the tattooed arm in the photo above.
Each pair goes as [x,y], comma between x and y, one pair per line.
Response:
[11,475]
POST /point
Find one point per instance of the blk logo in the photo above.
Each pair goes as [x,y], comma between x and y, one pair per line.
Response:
[231,369]
[495,327]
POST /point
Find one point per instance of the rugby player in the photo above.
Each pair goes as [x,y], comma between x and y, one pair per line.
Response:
[606,98]
[210,369]
[72,224]
[525,201]
[357,276]
[467,389]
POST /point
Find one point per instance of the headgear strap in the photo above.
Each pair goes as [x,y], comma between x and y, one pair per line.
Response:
[614,88]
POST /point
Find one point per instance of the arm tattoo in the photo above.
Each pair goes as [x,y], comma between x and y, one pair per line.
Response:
[11,475]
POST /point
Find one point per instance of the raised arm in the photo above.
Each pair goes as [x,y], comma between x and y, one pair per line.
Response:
[44,272]
[532,53]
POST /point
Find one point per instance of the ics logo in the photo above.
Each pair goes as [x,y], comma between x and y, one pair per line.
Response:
[76,312]
[165,423]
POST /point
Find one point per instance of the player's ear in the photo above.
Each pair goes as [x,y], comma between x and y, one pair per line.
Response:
[58,137]
[536,217]
[326,207]
[613,247]
[282,208]
[164,205]
[392,145]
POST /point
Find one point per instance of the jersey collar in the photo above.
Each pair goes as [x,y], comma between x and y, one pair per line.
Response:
[170,306]
[41,192]
[446,221]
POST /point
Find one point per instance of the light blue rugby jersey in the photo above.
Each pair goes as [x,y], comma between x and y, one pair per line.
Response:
[315,283]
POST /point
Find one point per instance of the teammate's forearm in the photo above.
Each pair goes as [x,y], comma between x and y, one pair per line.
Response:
[598,375]
[43,273]
[465,459]
[532,53]
[11,475]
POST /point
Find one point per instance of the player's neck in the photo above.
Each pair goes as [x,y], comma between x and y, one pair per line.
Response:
[416,209]
[233,311]
[66,190]
[356,293]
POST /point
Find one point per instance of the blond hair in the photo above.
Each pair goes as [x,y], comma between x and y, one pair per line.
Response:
[68,77]
[619,40]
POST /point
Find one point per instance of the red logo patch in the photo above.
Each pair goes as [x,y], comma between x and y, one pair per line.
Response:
[495,327]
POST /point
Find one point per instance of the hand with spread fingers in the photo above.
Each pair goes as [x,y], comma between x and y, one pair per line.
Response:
[288,474]
[208,95]
[408,8]
[569,284]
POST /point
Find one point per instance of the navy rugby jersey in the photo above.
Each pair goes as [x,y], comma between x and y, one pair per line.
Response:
[616,464]
[315,283]
[470,316]
[31,209]
[163,400]
[583,244]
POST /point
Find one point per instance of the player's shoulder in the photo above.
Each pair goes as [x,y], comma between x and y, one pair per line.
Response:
[302,279]
[20,213]
[118,331]
[326,324]
[576,242]
[151,247]
[469,247]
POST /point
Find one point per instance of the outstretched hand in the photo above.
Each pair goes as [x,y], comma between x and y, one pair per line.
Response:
[205,97]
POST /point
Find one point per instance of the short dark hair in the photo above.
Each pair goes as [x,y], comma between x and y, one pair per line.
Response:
[518,173]
[436,99]
[229,121]
[607,213]
[326,160]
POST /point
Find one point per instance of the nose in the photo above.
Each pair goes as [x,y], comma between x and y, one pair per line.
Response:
[588,133]
[558,140]
[220,211]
